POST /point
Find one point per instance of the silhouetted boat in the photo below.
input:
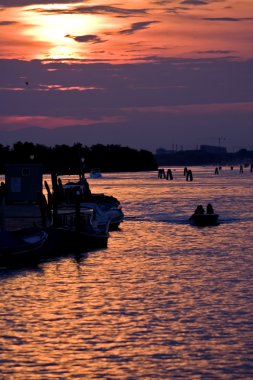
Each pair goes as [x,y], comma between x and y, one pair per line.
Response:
[78,229]
[204,219]
[21,245]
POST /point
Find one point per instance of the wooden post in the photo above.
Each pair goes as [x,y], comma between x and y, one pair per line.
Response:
[54,197]
[78,212]
[2,218]
[2,206]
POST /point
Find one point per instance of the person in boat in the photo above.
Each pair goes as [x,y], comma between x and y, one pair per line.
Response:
[2,203]
[44,210]
[209,209]
[86,188]
[2,190]
[199,210]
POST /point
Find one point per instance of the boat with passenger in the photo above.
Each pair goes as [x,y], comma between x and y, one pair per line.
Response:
[202,219]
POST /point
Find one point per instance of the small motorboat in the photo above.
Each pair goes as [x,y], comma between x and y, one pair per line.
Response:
[95,173]
[22,245]
[107,209]
[203,220]
[110,207]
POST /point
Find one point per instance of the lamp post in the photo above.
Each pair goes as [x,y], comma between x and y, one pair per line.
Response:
[82,169]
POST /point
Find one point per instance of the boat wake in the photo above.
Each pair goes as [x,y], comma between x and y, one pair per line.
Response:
[158,219]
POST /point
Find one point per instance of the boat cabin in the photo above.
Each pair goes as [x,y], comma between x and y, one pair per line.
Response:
[23,182]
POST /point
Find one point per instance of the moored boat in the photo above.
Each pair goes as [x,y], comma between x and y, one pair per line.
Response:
[78,229]
[95,173]
[19,246]
[108,207]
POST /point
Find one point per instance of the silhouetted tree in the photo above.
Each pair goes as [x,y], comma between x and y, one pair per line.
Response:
[67,159]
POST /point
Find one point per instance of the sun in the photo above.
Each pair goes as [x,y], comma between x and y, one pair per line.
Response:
[53,28]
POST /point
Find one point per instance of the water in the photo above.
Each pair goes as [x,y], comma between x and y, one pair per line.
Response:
[165,300]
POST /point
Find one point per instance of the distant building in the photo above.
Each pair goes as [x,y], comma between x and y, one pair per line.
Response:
[213,149]
[162,151]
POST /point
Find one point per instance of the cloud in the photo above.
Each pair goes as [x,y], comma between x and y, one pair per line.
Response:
[148,128]
[228,19]
[16,122]
[96,9]
[86,38]
[5,23]
[194,2]
[216,51]
[153,83]
[164,4]
[150,103]
[137,26]
[24,3]
[161,2]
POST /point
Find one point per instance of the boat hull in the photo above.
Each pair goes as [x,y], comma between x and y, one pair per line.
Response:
[22,246]
[204,220]
[67,240]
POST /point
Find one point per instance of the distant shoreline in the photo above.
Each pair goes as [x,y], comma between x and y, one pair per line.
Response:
[203,158]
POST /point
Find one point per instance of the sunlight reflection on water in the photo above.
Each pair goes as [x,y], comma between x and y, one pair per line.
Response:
[165,300]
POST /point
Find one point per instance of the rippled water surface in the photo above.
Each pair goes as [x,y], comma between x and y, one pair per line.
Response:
[165,300]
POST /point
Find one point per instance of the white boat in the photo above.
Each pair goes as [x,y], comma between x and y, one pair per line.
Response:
[95,173]
[106,207]
[108,213]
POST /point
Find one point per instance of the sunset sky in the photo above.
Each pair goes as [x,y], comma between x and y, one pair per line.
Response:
[145,74]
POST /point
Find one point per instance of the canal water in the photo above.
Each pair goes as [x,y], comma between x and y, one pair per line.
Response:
[165,300]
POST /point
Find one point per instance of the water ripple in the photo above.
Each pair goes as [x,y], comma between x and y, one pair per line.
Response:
[165,300]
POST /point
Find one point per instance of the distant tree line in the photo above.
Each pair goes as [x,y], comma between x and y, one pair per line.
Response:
[67,159]
[200,157]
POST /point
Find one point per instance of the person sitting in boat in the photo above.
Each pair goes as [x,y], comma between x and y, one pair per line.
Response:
[199,210]
[209,209]
[44,211]
[86,188]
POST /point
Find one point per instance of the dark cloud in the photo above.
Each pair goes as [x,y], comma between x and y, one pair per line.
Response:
[228,19]
[23,3]
[162,2]
[215,52]
[194,2]
[3,23]
[96,9]
[137,26]
[133,81]
[86,38]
